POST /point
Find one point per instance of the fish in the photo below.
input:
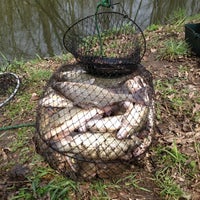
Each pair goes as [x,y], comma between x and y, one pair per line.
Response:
[136,114]
[71,119]
[87,94]
[82,76]
[135,83]
[139,89]
[133,120]
[56,120]
[102,146]
[62,163]
[106,124]
[52,99]
[43,118]
[150,128]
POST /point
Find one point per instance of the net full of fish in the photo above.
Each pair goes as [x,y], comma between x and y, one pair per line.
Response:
[69,119]
[82,120]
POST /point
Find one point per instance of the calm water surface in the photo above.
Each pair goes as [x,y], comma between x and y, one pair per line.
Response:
[36,27]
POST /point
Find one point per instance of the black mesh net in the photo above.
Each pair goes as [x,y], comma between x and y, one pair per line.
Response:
[9,84]
[92,126]
[107,42]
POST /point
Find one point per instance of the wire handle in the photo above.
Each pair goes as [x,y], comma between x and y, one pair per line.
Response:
[106,4]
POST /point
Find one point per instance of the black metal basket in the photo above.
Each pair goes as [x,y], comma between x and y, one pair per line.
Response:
[106,43]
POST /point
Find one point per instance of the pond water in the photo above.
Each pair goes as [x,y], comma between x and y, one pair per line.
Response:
[36,27]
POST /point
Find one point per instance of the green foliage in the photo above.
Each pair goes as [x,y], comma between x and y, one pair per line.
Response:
[173,164]
[153,27]
[173,49]
[37,75]
[22,106]
[56,187]
[169,91]
[174,157]
[177,18]
[132,181]
[63,58]
[169,189]
[3,67]
[194,18]
[100,187]
[177,96]
[128,29]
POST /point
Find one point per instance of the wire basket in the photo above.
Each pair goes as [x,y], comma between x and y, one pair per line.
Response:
[94,127]
[107,43]
[9,85]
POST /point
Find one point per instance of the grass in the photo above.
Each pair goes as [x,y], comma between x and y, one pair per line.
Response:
[132,181]
[153,27]
[176,95]
[173,50]
[173,156]
[23,107]
[177,18]
[167,90]
[175,167]
[101,188]
[45,183]
[170,190]
[172,45]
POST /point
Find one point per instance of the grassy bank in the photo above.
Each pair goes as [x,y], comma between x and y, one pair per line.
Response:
[169,170]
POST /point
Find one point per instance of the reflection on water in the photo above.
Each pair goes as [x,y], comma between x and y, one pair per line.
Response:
[36,27]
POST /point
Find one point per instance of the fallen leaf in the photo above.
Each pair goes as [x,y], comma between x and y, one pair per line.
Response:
[153,50]
[34,97]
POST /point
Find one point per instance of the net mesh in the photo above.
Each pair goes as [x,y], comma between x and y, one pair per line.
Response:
[92,126]
[107,42]
[9,84]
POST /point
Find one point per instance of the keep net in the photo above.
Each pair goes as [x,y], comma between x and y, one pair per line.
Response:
[92,126]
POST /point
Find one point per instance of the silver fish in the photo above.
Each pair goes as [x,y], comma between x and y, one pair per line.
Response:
[106,124]
[139,89]
[44,118]
[53,99]
[101,146]
[87,94]
[150,128]
[74,119]
[81,76]
[135,83]
[133,120]
[50,123]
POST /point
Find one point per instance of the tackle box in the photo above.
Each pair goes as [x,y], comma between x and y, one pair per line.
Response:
[192,37]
